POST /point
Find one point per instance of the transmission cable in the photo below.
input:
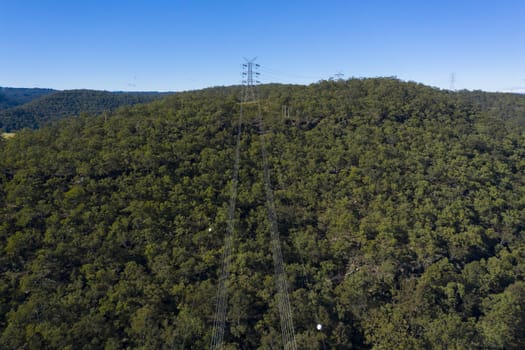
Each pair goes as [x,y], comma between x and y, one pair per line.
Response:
[249,94]
[222,290]
[283,300]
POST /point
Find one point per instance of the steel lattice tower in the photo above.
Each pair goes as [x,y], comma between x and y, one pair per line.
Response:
[250,94]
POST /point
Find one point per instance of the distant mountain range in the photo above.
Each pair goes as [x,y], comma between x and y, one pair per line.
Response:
[12,97]
[32,107]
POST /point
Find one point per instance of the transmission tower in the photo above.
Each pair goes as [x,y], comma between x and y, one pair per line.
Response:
[249,70]
[339,76]
[250,94]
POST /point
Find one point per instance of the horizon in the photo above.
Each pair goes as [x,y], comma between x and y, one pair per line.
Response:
[262,84]
[174,46]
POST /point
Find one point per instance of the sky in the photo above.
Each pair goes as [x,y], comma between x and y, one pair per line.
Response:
[172,45]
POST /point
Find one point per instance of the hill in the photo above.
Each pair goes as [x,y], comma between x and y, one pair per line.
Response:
[12,97]
[400,207]
[61,104]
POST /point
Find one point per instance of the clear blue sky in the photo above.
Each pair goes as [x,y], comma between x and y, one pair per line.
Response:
[182,45]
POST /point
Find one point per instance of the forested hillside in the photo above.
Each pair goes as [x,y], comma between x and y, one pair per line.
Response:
[12,97]
[401,211]
[60,104]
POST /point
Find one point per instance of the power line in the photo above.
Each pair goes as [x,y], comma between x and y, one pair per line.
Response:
[283,299]
[250,94]
[222,290]
[287,76]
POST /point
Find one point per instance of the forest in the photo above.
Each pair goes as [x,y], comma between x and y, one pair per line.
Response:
[34,108]
[12,97]
[400,207]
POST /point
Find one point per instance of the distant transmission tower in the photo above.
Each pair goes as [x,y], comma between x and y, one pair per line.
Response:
[250,94]
[453,81]
[249,69]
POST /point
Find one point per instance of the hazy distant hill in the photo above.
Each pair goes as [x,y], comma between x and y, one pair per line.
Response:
[60,104]
[12,97]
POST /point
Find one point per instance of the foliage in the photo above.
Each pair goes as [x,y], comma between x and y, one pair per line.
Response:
[12,97]
[401,212]
[60,104]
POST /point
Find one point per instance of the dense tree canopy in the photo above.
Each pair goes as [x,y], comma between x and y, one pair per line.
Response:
[45,106]
[12,97]
[401,212]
